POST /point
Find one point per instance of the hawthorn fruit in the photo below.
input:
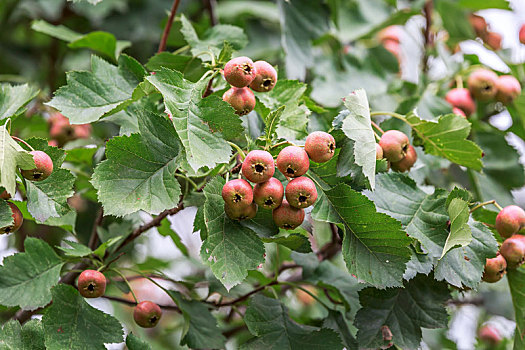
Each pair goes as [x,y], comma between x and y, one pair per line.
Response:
[147,314]
[91,284]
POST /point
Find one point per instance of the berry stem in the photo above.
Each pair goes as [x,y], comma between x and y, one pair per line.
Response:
[22,141]
[166,32]
[180,49]
[377,127]
[238,149]
[127,283]
[391,114]
[459,82]
[480,205]
[295,285]
[282,143]
[192,183]
[131,303]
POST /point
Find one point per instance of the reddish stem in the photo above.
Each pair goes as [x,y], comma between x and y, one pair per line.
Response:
[165,34]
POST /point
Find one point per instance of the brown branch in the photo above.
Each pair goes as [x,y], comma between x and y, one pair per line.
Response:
[166,32]
[153,223]
[211,5]
[330,249]
[234,330]
[69,278]
[243,297]
[208,90]
[429,42]
[327,293]
[93,239]
[132,303]
[475,301]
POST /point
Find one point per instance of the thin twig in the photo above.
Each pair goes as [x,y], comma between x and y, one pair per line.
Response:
[106,266]
[93,239]
[211,5]
[153,223]
[377,127]
[22,141]
[166,32]
[132,303]
[428,9]
[245,296]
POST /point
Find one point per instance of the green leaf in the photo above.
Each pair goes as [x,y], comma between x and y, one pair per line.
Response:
[30,336]
[103,42]
[202,329]
[202,124]
[230,249]
[294,241]
[463,266]
[447,138]
[333,278]
[213,39]
[453,16]
[363,18]
[301,22]
[268,320]
[13,98]
[66,222]
[71,323]
[139,171]
[486,4]
[12,157]
[88,96]
[6,215]
[76,250]
[191,67]
[166,230]
[271,121]
[338,323]
[60,32]
[516,279]
[357,127]
[500,160]
[135,343]
[460,234]
[423,216]
[99,41]
[421,303]
[285,92]
[23,274]
[375,248]
[290,124]
[48,198]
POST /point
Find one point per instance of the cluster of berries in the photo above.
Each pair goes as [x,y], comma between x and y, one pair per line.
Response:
[43,168]
[92,284]
[512,252]
[61,131]
[241,201]
[244,75]
[483,85]
[492,39]
[396,148]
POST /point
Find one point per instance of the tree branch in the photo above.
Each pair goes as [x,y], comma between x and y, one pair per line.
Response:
[211,5]
[153,223]
[166,32]
[243,297]
[429,42]
[93,240]
[132,303]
